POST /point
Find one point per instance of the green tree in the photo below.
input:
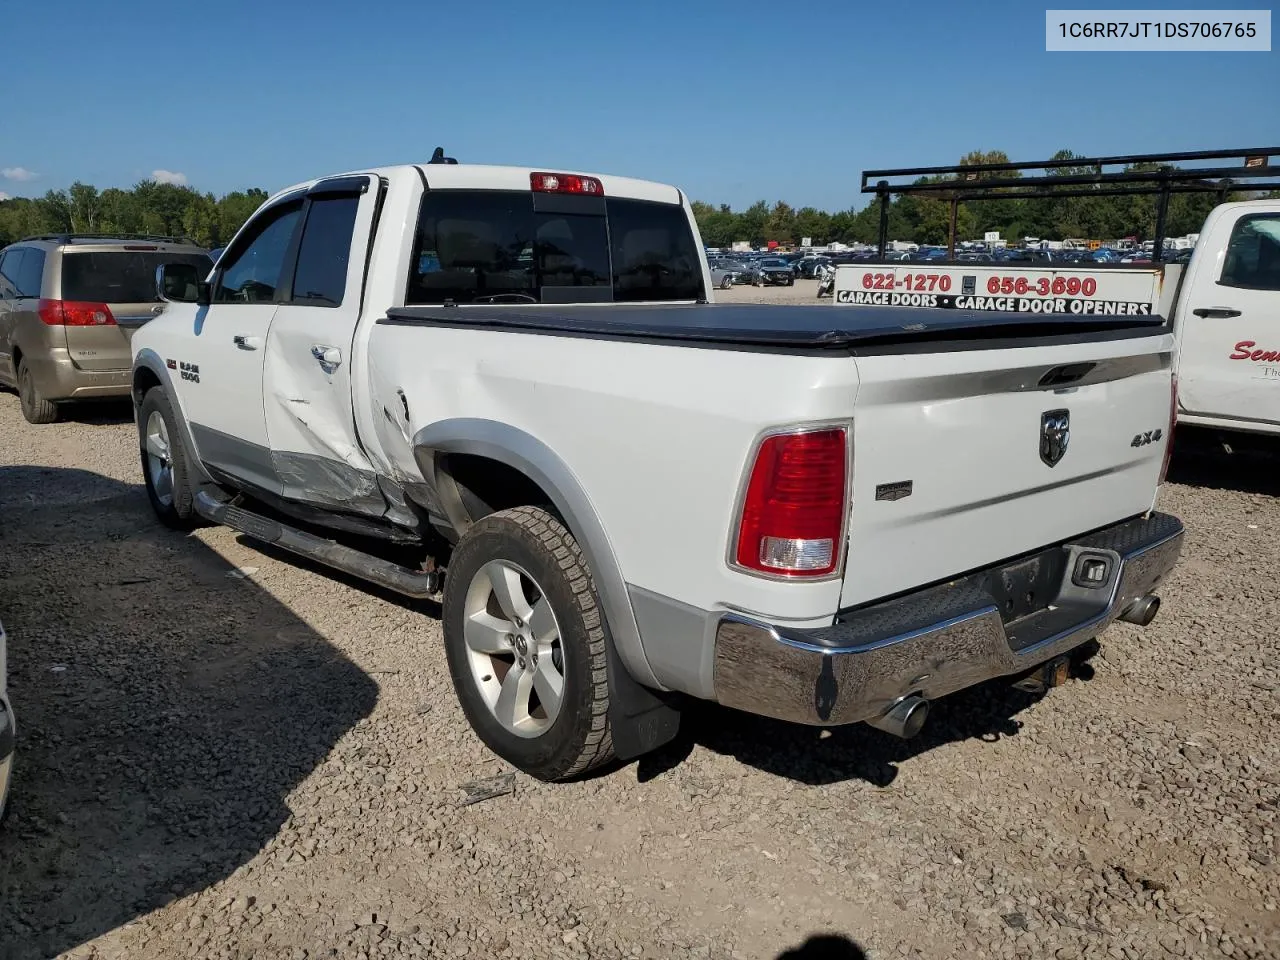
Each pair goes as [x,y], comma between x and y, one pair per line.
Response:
[148,207]
[84,204]
[780,225]
[812,223]
[237,207]
[751,222]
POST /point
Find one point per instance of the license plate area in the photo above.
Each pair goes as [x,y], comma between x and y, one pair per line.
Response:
[1029,586]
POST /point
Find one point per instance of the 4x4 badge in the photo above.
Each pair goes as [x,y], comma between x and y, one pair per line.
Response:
[1055,434]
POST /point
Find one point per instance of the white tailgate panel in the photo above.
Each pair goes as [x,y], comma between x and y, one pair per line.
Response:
[965,429]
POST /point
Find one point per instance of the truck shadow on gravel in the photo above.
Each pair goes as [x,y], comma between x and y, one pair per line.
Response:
[817,756]
[1201,460]
[825,946]
[98,412]
[165,711]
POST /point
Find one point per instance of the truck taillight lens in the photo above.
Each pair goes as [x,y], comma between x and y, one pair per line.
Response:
[75,313]
[1173,422]
[793,513]
[566,183]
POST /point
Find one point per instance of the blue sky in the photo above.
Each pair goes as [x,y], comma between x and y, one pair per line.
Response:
[734,102]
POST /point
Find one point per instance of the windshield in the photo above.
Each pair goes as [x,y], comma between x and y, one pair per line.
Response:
[491,246]
[120,276]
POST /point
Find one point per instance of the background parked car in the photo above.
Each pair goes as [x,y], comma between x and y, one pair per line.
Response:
[808,267]
[772,271]
[741,269]
[69,304]
[724,276]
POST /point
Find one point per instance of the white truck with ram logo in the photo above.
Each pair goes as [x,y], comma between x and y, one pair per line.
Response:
[514,384]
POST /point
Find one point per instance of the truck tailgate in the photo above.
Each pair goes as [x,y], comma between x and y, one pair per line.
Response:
[959,462]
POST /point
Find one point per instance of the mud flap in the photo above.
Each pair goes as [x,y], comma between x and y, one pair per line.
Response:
[642,720]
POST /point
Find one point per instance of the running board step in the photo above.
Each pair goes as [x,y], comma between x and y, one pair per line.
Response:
[392,576]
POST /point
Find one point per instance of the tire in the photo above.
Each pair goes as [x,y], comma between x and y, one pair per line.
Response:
[726,283]
[487,641]
[35,408]
[164,462]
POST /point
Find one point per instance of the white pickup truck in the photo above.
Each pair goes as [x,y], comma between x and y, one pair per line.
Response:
[513,384]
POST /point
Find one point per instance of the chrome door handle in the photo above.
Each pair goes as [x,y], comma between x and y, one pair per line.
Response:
[327,356]
[246,343]
[1217,313]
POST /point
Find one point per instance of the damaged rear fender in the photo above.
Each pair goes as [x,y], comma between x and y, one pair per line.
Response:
[536,461]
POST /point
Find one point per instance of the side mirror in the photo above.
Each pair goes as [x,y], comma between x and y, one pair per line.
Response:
[181,283]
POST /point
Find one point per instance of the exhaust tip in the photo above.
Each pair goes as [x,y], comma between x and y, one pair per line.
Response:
[1142,611]
[904,719]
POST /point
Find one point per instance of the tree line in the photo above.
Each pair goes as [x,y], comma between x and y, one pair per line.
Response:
[923,219]
[166,209]
[150,207]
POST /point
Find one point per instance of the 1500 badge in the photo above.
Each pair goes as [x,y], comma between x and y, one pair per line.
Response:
[188,371]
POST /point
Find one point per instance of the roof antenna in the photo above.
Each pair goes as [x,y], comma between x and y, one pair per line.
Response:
[439,157]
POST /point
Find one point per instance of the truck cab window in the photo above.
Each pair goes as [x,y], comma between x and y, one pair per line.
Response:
[490,246]
[654,256]
[321,276]
[251,273]
[1253,253]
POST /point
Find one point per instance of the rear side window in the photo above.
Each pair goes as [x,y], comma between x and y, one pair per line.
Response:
[320,278]
[120,276]
[9,284]
[1253,253]
[654,257]
[23,271]
[486,246]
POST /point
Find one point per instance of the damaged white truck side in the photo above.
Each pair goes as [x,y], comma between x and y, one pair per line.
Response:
[509,386]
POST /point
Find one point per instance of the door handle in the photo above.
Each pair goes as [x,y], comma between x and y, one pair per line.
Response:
[246,343]
[327,356]
[1217,313]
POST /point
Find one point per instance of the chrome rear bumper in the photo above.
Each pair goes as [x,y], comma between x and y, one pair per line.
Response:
[941,639]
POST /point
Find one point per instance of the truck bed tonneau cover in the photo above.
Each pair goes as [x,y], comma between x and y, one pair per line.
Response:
[780,326]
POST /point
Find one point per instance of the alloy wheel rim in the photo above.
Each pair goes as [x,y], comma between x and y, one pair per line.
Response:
[159,458]
[514,648]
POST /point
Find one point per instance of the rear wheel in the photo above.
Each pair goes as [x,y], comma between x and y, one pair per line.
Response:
[726,282]
[164,462]
[35,408]
[525,639]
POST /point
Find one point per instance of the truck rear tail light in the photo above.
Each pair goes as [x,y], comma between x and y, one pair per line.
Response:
[566,183]
[75,313]
[1173,422]
[794,509]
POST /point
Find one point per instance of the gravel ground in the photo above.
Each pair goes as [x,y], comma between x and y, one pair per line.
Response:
[224,753]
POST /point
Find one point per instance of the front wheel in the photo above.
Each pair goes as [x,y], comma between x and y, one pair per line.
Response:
[525,638]
[164,462]
[727,282]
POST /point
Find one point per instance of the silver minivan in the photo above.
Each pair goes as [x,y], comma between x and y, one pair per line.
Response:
[69,304]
